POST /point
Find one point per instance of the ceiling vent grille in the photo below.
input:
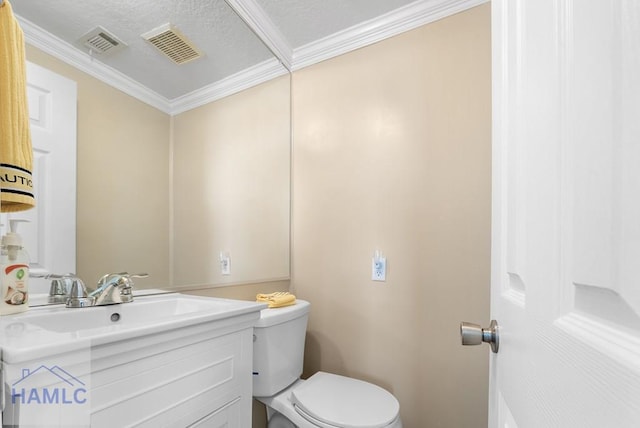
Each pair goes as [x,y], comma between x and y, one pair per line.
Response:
[171,42]
[102,42]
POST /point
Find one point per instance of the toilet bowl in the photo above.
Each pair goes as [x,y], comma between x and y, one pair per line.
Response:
[324,400]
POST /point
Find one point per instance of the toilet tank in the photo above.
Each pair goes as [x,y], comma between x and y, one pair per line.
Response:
[278,348]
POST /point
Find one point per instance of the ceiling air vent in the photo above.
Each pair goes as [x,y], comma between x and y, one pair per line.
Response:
[171,42]
[101,41]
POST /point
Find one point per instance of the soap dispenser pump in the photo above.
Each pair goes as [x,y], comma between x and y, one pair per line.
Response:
[14,277]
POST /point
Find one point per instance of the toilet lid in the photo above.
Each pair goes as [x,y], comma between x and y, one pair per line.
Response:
[345,402]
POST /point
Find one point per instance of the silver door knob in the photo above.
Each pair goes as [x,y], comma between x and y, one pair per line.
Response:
[473,334]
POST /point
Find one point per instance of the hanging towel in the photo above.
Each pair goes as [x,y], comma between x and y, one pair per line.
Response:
[16,154]
[277,299]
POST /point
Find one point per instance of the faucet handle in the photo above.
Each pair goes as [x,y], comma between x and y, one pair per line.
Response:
[107,277]
[60,285]
[126,285]
[59,290]
[116,288]
[52,275]
[137,275]
[79,297]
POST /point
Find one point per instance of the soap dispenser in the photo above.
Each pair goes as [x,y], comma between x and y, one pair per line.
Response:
[14,277]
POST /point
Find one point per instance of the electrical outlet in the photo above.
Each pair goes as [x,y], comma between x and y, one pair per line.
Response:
[225,264]
[379,269]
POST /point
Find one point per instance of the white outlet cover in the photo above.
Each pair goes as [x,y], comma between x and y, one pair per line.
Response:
[379,269]
[225,265]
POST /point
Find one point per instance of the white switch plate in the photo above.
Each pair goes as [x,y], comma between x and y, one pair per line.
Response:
[379,269]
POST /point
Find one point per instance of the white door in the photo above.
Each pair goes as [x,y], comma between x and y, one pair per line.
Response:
[566,214]
[50,235]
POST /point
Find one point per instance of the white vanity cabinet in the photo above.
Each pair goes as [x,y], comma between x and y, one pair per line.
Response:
[174,379]
[188,373]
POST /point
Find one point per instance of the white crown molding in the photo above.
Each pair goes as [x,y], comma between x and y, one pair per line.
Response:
[403,19]
[62,50]
[245,79]
[257,19]
[393,23]
[65,52]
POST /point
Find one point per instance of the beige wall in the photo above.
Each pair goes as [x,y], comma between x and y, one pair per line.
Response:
[123,162]
[392,148]
[231,187]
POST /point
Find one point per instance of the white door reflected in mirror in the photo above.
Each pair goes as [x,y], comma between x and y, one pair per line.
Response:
[50,234]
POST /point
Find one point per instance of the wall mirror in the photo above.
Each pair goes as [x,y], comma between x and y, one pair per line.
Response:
[183,189]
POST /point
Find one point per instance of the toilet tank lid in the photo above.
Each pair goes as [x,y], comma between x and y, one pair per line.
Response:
[273,316]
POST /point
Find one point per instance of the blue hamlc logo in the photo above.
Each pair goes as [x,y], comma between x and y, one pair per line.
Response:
[27,390]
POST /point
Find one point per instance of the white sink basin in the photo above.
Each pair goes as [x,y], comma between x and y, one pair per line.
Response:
[143,311]
[51,328]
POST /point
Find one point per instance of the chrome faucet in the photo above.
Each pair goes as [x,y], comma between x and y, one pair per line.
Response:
[61,285]
[115,288]
[112,288]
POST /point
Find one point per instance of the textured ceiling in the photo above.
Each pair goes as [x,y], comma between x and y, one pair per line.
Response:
[305,21]
[299,32]
[228,44]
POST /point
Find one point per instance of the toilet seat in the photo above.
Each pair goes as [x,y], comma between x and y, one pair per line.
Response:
[333,401]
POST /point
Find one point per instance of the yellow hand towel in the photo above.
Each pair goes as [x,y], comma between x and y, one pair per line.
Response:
[16,155]
[277,299]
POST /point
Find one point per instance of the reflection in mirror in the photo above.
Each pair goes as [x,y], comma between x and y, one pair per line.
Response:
[231,188]
[212,28]
[175,188]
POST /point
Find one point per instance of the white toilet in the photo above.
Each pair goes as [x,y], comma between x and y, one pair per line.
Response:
[324,400]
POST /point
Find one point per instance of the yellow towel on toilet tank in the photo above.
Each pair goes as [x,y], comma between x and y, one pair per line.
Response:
[277,299]
[16,155]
